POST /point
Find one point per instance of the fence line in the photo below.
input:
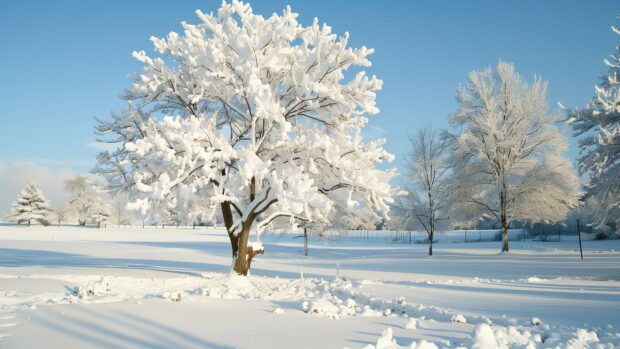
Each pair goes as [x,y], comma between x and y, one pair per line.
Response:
[421,237]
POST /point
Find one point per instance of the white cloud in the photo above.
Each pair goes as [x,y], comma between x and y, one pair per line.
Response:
[15,175]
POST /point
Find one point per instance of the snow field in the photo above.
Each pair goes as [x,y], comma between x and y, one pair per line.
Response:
[385,297]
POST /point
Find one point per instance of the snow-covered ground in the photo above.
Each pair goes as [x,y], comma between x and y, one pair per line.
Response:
[74,287]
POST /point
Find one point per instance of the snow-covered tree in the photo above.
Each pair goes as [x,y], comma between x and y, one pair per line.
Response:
[508,152]
[62,212]
[202,212]
[341,218]
[118,211]
[168,216]
[254,114]
[82,193]
[87,202]
[425,205]
[100,214]
[30,205]
[598,124]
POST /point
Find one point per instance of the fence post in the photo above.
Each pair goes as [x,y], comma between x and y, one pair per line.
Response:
[579,235]
[305,245]
[465,235]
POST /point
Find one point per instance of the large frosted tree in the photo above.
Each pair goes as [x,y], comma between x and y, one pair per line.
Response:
[508,162]
[598,124]
[261,116]
[31,205]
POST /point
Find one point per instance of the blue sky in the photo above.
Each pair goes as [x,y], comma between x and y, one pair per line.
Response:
[62,63]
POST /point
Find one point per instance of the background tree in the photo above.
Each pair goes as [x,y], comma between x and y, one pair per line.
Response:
[598,124]
[82,198]
[508,162]
[30,205]
[425,205]
[254,114]
[344,216]
[88,203]
[100,214]
[62,212]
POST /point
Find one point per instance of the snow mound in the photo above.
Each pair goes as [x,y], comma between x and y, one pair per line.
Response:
[387,341]
[323,307]
[483,337]
[582,339]
[458,318]
[411,324]
[487,337]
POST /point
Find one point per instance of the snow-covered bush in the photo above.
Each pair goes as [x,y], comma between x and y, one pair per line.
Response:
[255,115]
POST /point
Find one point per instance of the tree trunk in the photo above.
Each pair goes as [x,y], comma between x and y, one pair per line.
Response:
[242,253]
[430,245]
[504,220]
[228,222]
[245,253]
[504,238]
[241,262]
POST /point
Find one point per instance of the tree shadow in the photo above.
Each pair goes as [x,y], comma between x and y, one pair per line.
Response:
[121,330]
[50,259]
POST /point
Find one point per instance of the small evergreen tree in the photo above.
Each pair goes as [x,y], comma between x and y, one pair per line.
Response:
[30,205]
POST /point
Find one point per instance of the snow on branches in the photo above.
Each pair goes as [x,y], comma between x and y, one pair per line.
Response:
[508,153]
[257,115]
[598,124]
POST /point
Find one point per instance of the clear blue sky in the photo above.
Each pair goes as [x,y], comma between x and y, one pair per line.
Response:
[62,63]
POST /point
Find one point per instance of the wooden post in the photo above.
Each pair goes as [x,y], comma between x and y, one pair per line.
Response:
[305,244]
[465,235]
[579,235]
